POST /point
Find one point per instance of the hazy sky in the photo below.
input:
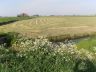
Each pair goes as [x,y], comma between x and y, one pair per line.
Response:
[47,7]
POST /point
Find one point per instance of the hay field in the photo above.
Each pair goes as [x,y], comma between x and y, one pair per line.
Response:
[53,26]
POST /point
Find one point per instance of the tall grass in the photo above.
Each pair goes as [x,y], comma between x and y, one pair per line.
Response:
[41,55]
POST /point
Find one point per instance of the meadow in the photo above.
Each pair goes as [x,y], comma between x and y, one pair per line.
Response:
[42,44]
[6,20]
[58,28]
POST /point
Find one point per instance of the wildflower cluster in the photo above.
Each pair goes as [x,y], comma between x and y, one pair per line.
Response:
[41,44]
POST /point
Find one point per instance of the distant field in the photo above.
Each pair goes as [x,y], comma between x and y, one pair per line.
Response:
[59,27]
[7,19]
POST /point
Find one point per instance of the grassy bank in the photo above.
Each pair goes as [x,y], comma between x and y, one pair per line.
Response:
[41,55]
[88,43]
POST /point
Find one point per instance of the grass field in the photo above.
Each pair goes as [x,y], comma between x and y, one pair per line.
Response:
[59,26]
[7,19]
[24,54]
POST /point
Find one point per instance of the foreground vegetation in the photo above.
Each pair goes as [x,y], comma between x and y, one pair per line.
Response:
[40,55]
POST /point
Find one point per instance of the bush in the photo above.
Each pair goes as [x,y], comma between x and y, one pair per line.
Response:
[7,38]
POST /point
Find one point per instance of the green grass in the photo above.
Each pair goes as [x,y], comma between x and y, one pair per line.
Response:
[7,19]
[87,43]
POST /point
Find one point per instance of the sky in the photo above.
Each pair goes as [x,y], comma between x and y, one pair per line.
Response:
[47,7]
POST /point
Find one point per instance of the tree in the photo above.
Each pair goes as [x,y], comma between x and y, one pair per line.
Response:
[36,15]
[23,15]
